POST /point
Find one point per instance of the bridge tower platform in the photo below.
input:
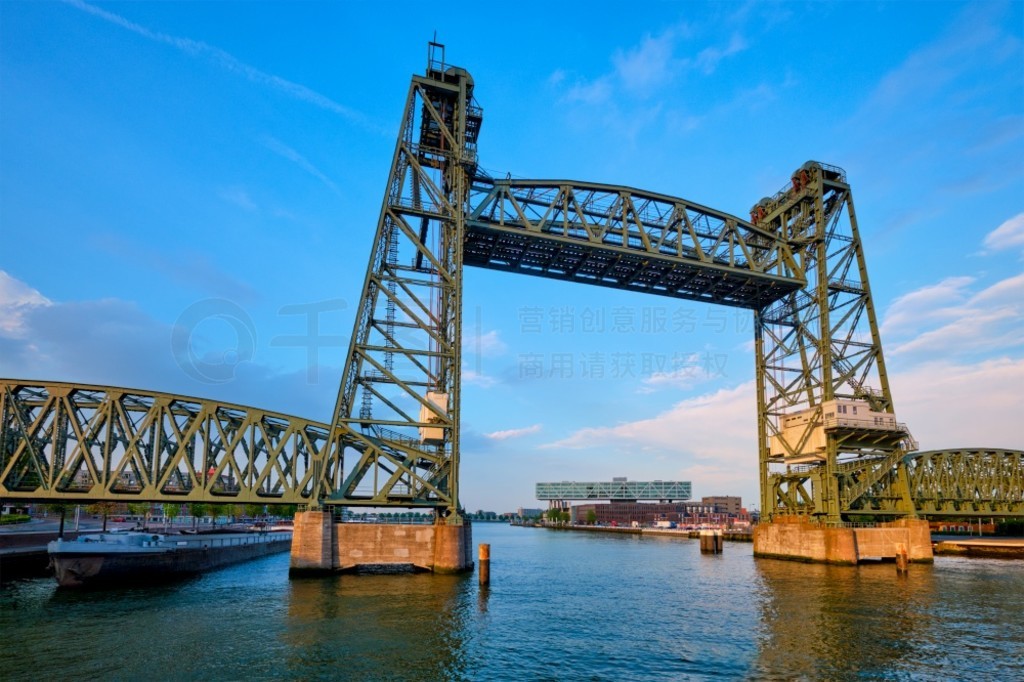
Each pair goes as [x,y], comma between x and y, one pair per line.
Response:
[322,546]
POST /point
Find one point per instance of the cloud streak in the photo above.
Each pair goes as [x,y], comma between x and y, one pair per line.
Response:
[513,433]
[229,62]
[1008,235]
[283,150]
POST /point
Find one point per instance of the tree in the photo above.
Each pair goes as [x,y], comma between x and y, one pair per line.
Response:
[141,509]
[199,510]
[557,516]
[218,510]
[591,517]
[62,510]
[103,508]
[171,512]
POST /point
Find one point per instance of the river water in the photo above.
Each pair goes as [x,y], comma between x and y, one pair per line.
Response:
[561,606]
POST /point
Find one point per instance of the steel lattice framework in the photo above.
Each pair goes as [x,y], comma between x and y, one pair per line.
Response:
[393,439]
[625,238]
[970,482]
[72,442]
[818,350]
[397,411]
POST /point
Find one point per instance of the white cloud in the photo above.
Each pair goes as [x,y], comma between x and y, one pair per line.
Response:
[648,65]
[950,318]
[709,58]
[113,342]
[475,347]
[475,378]
[694,370]
[975,39]
[513,433]
[1008,235]
[949,405]
[485,345]
[644,68]
[16,300]
[717,425]
[595,92]
[710,440]
[713,441]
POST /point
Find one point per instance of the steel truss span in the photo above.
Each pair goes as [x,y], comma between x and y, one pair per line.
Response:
[69,443]
[625,238]
[943,483]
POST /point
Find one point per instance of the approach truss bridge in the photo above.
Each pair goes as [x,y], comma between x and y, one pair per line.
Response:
[829,444]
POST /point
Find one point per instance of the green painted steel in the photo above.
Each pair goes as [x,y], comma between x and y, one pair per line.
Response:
[397,412]
[393,438]
[818,350]
[626,239]
[615,490]
[67,442]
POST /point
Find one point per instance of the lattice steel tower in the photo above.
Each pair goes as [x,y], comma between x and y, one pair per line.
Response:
[398,405]
[825,411]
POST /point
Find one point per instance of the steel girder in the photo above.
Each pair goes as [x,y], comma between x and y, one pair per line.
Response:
[626,239]
[68,442]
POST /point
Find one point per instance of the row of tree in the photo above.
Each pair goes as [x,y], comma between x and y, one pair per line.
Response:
[563,516]
[170,512]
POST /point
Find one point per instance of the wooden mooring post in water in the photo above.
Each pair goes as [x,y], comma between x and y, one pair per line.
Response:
[485,564]
[902,562]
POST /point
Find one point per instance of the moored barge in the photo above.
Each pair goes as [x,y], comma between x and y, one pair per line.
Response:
[119,558]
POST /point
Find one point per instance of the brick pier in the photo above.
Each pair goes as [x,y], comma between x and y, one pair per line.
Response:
[321,546]
[800,540]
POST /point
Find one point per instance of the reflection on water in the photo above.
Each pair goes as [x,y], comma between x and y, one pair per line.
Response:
[561,606]
[386,627]
[838,622]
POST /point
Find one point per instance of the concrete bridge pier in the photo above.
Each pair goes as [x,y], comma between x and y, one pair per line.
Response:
[322,546]
[798,539]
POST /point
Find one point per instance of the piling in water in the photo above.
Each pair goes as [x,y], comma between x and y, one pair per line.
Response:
[711,541]
[902,562]
[485,564]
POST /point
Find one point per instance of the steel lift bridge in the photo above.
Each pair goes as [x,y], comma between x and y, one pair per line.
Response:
[829,444]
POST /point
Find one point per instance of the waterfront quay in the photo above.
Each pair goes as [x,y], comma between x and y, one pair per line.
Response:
[560,606]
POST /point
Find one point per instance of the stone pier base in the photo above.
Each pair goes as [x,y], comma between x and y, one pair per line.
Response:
[321,546]
[799,540]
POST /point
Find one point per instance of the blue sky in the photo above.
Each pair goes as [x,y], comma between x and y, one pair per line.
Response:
[195,164]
